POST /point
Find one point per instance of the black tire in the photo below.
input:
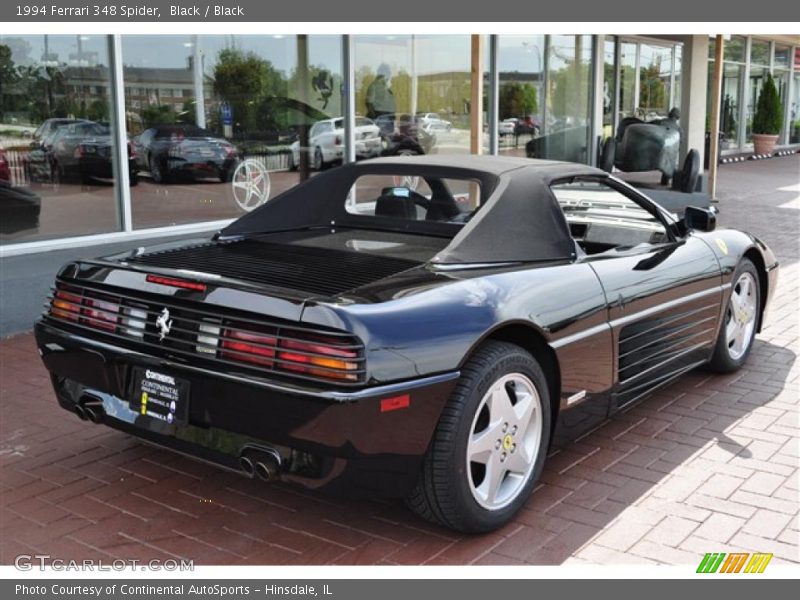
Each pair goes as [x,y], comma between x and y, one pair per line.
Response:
[133,179]
[607,158]
[156,172]
[319,162]
[225,175]
[442,494]
[722,360]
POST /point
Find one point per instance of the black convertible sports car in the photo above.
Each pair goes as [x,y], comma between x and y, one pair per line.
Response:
[361,336]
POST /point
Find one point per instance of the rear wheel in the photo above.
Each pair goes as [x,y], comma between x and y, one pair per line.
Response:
[738,328]
[490,444]
[156,172]
[319,162]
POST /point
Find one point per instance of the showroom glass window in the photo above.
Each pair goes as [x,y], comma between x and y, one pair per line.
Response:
[551,74]
[57,160]
[221,124]
[781,72]
[759,67]
[521,70]
[733,70]
[416,89]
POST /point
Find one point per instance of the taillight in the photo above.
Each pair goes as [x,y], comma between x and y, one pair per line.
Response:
[131,151]
[257,348]
[338,140]
[305,354]
[100,314]
[317,357]
[133,321]
[66,306]
[178,283]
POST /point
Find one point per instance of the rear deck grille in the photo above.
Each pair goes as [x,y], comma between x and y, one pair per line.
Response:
[201,332]
[320,271]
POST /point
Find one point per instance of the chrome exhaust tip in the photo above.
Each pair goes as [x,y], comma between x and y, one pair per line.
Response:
[91,408]
[81,412]
[264,463]
[247,465]
[267,470]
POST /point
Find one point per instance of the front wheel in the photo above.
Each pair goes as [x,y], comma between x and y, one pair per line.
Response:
[738,328]
[489,447]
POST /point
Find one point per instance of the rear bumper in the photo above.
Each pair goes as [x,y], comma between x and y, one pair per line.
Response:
[347,444]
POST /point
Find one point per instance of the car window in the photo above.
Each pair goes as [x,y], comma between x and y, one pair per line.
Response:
[414,198]
[602,218]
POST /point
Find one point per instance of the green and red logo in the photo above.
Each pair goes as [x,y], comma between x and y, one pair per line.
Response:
[734,562]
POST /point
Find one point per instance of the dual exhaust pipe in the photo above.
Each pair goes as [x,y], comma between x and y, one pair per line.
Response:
[90,408]
[264,463]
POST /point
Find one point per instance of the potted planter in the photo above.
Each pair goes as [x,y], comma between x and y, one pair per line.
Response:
[768,119]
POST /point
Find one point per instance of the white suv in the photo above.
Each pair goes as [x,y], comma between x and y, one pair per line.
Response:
[326,142]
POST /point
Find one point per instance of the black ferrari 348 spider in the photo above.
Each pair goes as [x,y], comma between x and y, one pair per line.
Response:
[418,327]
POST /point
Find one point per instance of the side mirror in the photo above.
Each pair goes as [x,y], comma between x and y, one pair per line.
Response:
[699,219]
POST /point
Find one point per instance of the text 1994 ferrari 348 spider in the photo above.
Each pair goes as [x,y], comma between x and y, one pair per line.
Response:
[412,327]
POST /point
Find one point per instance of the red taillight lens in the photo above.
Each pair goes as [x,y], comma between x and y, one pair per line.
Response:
[248,347]
[66,306]
[100,314]
[318,358]
[131,151]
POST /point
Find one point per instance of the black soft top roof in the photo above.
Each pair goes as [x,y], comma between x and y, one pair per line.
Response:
[519,220]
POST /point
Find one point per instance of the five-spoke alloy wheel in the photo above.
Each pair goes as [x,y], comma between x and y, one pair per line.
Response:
[489,447]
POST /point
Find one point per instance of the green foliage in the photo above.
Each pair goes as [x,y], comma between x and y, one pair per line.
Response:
[518,100]
[769,112]
[569,91]
[652,90]
[250,85]
[158,114]
[98,110]
[188,116]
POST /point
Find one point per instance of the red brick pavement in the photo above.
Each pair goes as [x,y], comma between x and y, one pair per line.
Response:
[708,464]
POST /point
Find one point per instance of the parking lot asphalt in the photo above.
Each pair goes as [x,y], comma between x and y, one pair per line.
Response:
[708,464]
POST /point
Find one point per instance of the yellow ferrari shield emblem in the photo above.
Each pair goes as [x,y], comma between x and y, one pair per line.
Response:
[508,442]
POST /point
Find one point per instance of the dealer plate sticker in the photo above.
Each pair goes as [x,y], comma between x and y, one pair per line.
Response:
[161,396]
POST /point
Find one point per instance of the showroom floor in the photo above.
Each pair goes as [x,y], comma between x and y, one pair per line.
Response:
[708,464]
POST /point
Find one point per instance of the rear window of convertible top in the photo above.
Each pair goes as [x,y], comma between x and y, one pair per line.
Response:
[414,198]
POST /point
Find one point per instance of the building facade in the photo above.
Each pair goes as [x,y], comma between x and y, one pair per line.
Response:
[83,117]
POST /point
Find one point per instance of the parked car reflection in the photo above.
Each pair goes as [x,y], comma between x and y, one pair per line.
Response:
[403,134]
[167,152]
[19,208]
[78,149]
[326,142]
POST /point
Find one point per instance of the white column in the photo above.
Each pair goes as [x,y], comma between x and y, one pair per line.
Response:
[694,88]
[494,96]
[197,75]
[120,131]
[349,108]
[598,81]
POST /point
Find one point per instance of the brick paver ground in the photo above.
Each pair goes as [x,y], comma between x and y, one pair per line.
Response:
[708,464]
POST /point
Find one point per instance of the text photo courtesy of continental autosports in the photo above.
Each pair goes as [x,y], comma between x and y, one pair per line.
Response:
[419,298]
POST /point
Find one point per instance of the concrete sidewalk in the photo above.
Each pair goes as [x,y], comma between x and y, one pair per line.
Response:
[709,464]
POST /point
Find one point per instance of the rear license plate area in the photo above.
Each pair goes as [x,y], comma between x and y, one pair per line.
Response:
[159,397]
